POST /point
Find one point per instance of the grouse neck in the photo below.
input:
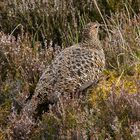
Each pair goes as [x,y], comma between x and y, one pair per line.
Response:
[92,43]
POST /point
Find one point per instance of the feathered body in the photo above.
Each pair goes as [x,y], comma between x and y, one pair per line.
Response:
[74,69]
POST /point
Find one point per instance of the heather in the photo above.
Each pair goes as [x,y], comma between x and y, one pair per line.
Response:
[34,32]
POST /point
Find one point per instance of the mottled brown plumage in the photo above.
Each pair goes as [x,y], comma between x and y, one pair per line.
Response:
[73,70]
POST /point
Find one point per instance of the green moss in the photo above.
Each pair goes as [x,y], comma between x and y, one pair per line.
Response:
[4,112]
[111,78]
